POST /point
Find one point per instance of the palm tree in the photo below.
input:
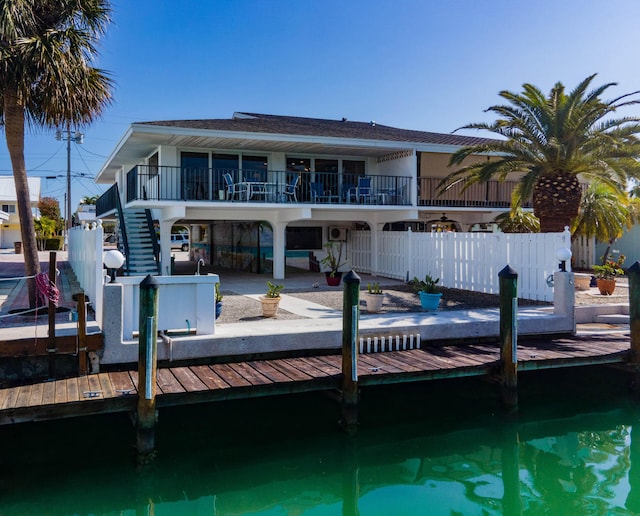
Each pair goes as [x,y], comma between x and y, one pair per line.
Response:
[551,142]
[89,200]
[518,221]
[604,214]
[46,79]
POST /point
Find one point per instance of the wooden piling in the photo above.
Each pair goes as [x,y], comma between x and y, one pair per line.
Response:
[147,369]
[350,320]
[509,336]
[51,347]
[634,324]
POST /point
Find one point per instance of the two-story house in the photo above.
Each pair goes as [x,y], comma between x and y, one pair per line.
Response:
[262,187]
[10,230]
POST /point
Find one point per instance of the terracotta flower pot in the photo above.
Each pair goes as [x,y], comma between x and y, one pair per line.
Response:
[606,286]
[270,306]
[333,281]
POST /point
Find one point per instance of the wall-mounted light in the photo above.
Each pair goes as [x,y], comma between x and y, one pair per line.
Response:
[113,260]
[563,255]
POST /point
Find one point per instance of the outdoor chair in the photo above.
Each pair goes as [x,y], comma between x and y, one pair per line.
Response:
[363,192]
[289,193]
[319,194]
[232,189]
[345,192]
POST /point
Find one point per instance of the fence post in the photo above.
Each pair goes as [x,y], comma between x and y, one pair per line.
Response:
[410,274]
[350,319]
[147,368]
[509,336]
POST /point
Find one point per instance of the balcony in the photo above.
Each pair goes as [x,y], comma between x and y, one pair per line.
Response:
[161,183]
[492,194]
[153,183]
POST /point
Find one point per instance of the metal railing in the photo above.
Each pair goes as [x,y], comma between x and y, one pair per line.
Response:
[107,202]
[162,183]
[494,194]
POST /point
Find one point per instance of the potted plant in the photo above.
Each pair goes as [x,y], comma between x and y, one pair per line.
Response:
[428,291]
[271,299]
[373,298]
[606,275]
[332,262]
[219,297]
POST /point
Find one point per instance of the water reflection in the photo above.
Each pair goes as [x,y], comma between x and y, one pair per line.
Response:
[425,450]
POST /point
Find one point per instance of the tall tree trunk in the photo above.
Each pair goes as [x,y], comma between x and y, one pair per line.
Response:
[556,201]
[14,132]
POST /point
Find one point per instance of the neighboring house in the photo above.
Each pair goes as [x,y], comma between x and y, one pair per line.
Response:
[86,213]
[310,180]
[10,232]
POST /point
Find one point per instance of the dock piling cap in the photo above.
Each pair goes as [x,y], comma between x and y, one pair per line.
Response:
[149,282]
[508,273]
[351,277]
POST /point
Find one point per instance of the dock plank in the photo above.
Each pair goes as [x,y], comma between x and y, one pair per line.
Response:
[290,371]
[105,383]
[73,394]
[305,366]
[230,376]
[375,363]
[24,395]
[61,391]
[209,377]
[36,395]
[83,388]
[10,398]
[275,375]
[254,376]
[122,383]
[324,365]
[188,379]
[49,393]
[168,383]
[95,389]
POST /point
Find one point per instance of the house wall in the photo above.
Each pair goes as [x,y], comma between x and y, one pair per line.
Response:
[628,245]
[10,228]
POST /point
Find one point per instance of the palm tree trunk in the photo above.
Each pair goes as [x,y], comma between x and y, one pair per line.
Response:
[14,132]
[556,201]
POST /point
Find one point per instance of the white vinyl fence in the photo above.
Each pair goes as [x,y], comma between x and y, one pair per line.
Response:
[468,261]
[85,258]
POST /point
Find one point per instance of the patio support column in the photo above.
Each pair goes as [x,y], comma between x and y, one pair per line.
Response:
[279,242]
[165,246]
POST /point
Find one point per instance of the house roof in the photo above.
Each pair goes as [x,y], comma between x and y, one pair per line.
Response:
[8,189]
[294,125]
[275,133]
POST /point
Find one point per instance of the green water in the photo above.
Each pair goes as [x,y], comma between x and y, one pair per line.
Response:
[443,448]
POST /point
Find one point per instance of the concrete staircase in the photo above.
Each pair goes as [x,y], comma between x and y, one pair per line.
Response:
[140,240]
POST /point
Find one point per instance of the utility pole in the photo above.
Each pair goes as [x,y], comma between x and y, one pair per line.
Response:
[68,136]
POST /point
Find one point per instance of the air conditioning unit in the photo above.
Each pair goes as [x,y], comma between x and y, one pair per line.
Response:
[337,234]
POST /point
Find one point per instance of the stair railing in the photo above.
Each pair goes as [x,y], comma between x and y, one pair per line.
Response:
[154,240]
[123,230]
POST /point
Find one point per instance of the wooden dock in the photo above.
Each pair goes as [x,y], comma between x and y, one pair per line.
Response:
[117,391]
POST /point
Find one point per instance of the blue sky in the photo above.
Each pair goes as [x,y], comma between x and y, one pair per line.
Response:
[414,64]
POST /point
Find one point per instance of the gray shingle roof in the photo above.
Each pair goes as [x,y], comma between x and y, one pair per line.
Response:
[292,125]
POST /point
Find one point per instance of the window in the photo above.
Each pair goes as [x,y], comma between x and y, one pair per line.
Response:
[9,208]
[153,165]
[255,167]
[195,175]
[304,238]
